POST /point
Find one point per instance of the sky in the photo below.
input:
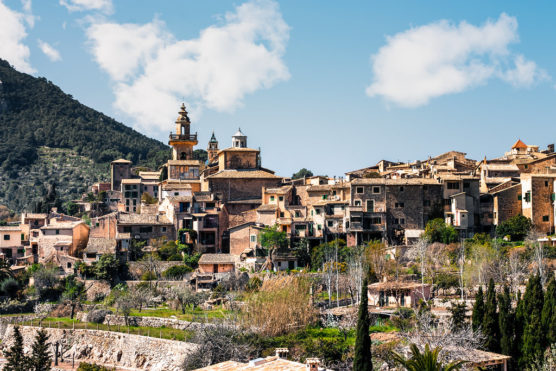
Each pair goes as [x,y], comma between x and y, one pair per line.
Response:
[326,85]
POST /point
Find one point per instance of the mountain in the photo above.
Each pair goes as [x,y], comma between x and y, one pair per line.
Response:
[48,137]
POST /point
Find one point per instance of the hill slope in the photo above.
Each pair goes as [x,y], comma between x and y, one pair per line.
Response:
[37,117]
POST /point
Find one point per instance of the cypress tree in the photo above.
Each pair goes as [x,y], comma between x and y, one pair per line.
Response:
[506,322]
[40,357]
[533,336]
[548,316]
[362,360]
[16,359]
[519,325]
[478,310]
[490,327]
[458,315]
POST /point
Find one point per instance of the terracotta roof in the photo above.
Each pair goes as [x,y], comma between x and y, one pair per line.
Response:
[131,181]
[268,207]
[519,144]
[259,364]
[180,198]
[396,285]
[34,216]
[280,190]
[149,175]
[100,245]
[238,149]
[217,259]
[501,167]
[243,174]
[184,162]
[172,186]
[8,228]
[63,225]
[403,181]
[203,196]
[319,188]
[143,219]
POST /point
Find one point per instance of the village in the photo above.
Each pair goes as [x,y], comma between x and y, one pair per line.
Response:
[209,236]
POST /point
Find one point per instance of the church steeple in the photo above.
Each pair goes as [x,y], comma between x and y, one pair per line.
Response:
[183,141]
[212,149]
[239,140]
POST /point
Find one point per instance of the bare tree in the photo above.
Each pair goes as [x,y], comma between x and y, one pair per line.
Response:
[538,253]
[355,272]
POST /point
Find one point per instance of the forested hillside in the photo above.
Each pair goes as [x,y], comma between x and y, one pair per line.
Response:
[35,114]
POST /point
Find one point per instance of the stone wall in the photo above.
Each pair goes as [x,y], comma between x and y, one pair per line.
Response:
[136,269]
[156,322]
[109,348]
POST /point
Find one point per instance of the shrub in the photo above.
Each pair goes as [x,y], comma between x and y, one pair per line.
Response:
[84,366]
[148,276]
[438,231]
[176,272]
[98,316]
[254,284]
[516,227]
[10,287]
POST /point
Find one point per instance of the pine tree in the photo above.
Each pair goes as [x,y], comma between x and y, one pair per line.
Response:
[533,336]
[362,361]
[40,357]
[16,359]
[506,322]
[548,316]
[478,310]
[490,326]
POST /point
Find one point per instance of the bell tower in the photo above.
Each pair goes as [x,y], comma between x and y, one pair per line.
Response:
[182,141]
[212,149]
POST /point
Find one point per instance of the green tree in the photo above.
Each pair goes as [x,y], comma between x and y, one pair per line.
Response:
[506,320]
[516,227]
[40,355]
[519,325]
[272,239]
[302,174]
[71,208]
[73,294]
[549,312]
[10,287]
[478,310]
[457,311]
[438,231]
[533,334]
[15,358]
[490,326]
[429,360]
[362,360]
[136,249]
[107,268]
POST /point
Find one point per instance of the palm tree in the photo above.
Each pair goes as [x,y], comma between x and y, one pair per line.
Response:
[426,361]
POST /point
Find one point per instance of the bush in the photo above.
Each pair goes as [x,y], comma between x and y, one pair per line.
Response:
[84,366]
[517,227]
[176,272]
[98,316]
[438,231]
[10,287]
[148,276]
[254,284]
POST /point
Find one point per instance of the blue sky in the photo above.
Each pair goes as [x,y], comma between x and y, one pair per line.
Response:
[330,86]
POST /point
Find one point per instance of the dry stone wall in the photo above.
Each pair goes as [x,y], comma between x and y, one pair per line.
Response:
[109,348]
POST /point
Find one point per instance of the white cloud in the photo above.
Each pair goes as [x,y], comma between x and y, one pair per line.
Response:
[26,4]
[49,51]
[443,58]
[12,34]
[84,5]
[152,70]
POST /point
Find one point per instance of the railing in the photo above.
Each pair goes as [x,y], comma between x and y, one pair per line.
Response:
[191,137]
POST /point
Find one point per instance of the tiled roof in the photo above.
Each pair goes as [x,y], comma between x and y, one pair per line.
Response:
[519,144]
[237,149]
[63,225]
[34,216]
[280,190]
[121,161]
[131,181]
[262,364]
[243,174]
[8,228]
[143,219]
[184,162]
[173,186]
[268,207]
[180,198]
[319,188]
[98,245]
[403,181]
[217,259]
[501,167]
[203,196]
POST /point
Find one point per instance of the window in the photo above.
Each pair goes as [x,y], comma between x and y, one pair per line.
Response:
[127,194]
[334,193]
[134,209]
[452,185]
[376,189]
[319,227]
[127,229]
[127,209]
[402,221]
[399,205]
[447,202]
[324,197]
[545,218]
[163,229]
[281,198]
[57,231]
[281,214]
[370,206]
[253,238]
[6,237]
[528,196]
[519,197]
[401,189]
[359,190]
[317,211]
[376,220]
[145,229]
[297,214]
[426,203]
[330,223]
[271,198]
[357,203]
[134,194]
[176,193]
[546,183]
[396,221]
[465,185]
[134,202]
[68,265]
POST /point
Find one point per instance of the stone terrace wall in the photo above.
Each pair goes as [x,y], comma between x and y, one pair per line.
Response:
[115,320]
[110,348]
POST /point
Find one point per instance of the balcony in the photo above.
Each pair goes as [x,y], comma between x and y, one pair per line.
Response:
[189,137]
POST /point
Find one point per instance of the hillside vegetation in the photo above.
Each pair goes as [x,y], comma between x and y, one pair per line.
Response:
[37,117]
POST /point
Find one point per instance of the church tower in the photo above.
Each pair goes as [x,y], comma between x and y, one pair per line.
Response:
[182,141]
[212,149]
[239,140]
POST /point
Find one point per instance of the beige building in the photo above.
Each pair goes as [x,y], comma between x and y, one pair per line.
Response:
[538,198]
[11,246]
[62,238]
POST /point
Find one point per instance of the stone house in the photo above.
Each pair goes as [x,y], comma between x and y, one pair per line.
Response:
[119,170]
[131,192]
[145,227]
[97,247]
[507,201]
[217,263]
[398,293]
[62,238]
[538,198]
[11,247]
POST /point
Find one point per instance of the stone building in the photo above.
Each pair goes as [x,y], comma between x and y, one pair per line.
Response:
[538,198]
[119,170]
[145,227]
[11,246]
[61,237]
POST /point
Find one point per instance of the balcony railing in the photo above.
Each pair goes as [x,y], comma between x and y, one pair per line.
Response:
[192,137]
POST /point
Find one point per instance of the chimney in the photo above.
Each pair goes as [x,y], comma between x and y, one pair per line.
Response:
[282,353]
[312,364]
[550,148]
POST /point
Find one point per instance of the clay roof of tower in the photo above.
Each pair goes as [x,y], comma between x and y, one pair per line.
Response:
[121,161]
[519,144]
